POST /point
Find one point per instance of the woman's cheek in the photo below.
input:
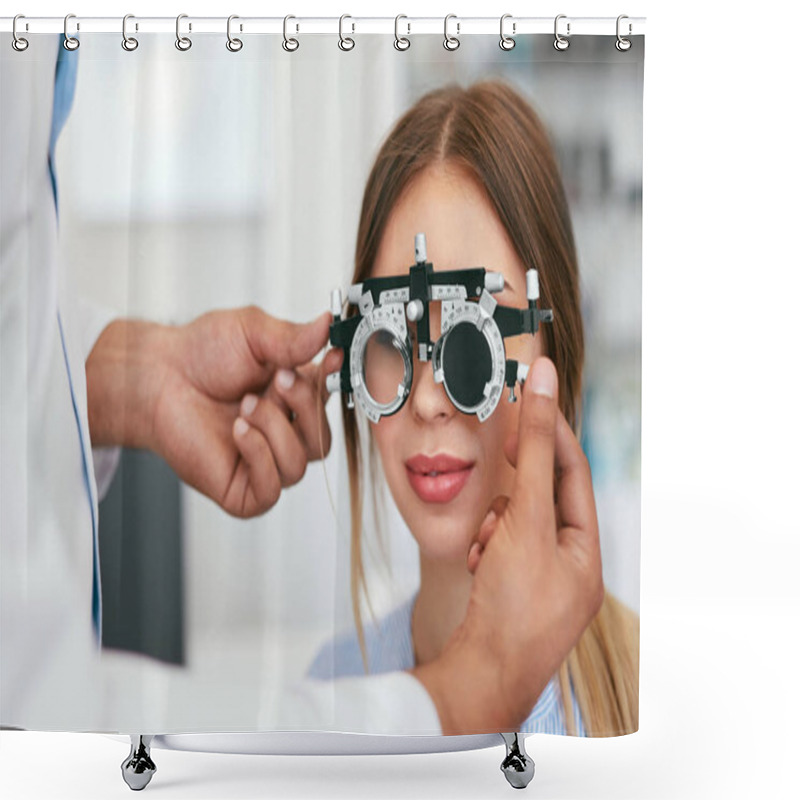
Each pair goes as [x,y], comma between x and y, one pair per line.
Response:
[385,437]
[524,349]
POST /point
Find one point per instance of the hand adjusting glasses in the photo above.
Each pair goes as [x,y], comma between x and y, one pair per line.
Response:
[469,357]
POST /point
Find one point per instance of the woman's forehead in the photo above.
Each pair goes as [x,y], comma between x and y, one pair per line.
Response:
[461,227]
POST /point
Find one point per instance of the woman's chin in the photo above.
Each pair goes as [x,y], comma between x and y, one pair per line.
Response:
[444,540]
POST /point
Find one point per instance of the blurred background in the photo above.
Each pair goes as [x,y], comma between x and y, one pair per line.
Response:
[200,180]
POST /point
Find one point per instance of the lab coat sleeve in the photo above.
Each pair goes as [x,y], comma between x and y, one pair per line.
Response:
[91,320]
[392,703]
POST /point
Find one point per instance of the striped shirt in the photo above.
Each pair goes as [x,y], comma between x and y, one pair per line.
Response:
[390,648]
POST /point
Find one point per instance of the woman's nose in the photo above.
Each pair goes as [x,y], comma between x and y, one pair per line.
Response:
[428,399]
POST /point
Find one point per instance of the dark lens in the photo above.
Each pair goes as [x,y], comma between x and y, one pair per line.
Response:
[383,366]
[467,364]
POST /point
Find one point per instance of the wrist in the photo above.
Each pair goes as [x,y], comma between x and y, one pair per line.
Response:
[124,375]
[469,687]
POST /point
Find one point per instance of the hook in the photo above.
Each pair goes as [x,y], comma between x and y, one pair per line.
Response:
[623,44]
[401,42]
[451,42]
[507,42]
[289,45]
[561,42]
[345,42]
[234,45]
[183,43]
[70,42]
[18,43]
[129,43]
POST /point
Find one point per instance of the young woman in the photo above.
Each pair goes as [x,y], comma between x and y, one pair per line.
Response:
[473,169]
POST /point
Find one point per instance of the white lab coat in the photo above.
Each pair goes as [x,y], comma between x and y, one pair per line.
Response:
[48,654]
[51,668]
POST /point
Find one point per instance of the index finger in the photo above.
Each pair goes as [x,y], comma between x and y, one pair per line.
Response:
[532,494]
[315,375]
[318,373]
[304,400]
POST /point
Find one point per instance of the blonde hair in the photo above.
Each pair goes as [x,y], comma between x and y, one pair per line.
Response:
[490,130]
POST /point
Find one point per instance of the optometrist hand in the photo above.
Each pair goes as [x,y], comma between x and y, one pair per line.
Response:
[537,577]
[210,398]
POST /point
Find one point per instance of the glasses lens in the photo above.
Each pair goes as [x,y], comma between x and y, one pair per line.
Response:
[467,364]
[384,368]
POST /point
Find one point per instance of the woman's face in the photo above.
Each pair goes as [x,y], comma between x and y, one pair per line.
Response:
[462,230]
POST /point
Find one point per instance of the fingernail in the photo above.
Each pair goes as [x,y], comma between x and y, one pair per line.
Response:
[472,550]
[490,518]
[542,377]
[284,378]
[240,427]
[248,404]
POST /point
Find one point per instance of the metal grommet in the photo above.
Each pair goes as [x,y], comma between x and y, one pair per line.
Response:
[561,42]
[345,42]
[401,42]
[234,45]
[507,42]
[18,43]
[289,44]
[128,42]
[451,42]
[622,44]
[182,42]
[70,42]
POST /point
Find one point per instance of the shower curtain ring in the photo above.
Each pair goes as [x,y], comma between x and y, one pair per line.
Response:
[401,42]
[18,43]
[345,42]
[182,42]
[451,42]
[561,42]
[129,43]
[70,42]
[289,44]
[234,45]
[507,42]
[622,44]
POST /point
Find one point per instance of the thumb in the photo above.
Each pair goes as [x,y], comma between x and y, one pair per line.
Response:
[281,343]
[532,493]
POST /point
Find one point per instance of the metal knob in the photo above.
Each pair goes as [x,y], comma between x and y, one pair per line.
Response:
[333,383]
[415,310]
[420,249]
[354,294]
[336,303]
[494,282]
[532,284]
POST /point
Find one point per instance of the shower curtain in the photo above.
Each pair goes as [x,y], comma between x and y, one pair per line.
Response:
[156,191]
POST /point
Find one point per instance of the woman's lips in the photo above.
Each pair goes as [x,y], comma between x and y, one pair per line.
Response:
[438,479]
